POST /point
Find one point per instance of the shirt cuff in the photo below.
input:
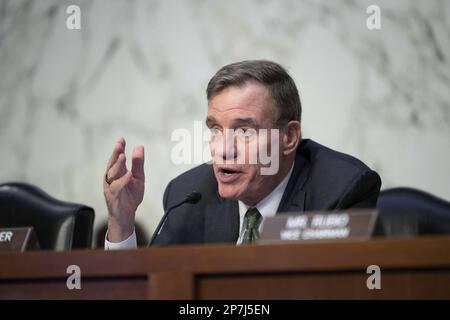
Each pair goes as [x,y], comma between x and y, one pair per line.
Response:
[129,243]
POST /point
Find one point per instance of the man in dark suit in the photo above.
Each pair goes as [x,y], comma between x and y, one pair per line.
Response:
[252,106]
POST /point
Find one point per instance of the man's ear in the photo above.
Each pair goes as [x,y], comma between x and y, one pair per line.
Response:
[292,135]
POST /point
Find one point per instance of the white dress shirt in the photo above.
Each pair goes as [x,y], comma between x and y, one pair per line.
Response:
[128,243]
[267,207]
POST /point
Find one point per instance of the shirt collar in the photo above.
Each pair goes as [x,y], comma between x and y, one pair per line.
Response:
[269,205]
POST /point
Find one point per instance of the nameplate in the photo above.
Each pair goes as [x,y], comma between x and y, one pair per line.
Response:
[351,224]
[18,239]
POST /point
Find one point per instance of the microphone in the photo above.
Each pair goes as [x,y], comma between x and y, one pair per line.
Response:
[192,198]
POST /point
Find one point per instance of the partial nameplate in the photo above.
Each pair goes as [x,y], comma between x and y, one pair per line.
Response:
[322,225]
[18,239]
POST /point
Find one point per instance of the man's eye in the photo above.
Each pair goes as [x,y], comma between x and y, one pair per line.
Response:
[215,132]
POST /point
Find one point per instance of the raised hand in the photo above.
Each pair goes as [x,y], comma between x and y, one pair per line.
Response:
[123,190]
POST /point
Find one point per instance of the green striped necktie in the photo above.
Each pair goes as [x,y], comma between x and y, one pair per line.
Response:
[252,220]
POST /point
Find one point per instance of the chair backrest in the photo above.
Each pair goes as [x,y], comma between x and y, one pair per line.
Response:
[411,212]
[58,225]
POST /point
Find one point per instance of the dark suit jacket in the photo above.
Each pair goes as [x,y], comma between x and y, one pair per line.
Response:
[322,179]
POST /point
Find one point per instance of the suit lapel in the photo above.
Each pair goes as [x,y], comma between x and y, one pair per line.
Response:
[296,204]
[222,221]
[294,197]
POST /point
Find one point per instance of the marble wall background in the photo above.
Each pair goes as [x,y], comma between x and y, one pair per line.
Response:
[139,69]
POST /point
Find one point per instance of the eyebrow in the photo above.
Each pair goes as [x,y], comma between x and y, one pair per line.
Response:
[211,121]
[244,122]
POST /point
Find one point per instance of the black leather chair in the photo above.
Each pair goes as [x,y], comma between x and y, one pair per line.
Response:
[58,225]
[411,212]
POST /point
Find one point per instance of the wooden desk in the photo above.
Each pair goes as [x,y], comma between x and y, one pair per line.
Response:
[410,268]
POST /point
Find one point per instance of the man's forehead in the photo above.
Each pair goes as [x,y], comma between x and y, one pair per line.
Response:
[255,101]
[234,96]
[236,116]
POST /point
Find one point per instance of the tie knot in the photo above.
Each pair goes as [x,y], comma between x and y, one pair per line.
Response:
[252,218]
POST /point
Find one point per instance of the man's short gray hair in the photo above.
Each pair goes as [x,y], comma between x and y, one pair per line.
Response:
[274,77]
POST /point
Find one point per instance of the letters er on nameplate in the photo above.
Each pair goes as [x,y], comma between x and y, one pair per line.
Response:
[349,224]
[18,239]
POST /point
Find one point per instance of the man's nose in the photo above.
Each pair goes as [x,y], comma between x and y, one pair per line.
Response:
[228,149]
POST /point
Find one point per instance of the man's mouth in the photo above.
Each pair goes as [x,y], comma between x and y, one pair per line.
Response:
[228,171]
[228,174]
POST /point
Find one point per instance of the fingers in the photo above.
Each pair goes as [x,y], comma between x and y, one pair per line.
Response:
[118,169]
[120,183]
[137,167]
[118,149]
